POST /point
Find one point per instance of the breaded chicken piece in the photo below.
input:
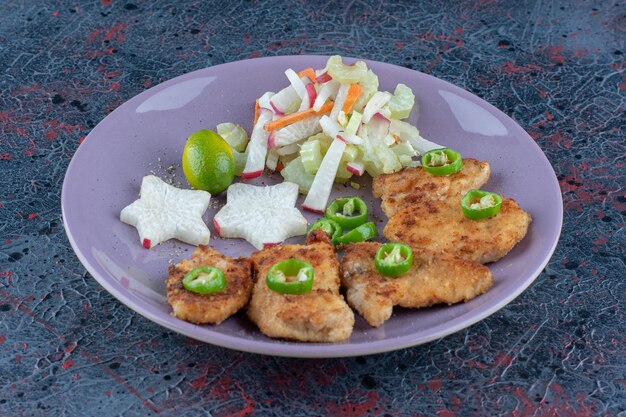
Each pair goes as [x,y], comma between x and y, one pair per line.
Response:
[413,186]
[441,227]
[433,279]
[210,308]
[321,315]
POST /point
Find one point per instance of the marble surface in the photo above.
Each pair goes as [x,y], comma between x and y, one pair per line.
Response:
[69,348]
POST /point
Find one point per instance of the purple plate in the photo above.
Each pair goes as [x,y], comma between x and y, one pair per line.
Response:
[147,134]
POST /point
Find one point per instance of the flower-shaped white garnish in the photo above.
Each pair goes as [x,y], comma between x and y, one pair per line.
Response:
[261,215]
[164,212]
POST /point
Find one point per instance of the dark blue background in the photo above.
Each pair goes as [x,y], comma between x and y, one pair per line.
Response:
[68,347]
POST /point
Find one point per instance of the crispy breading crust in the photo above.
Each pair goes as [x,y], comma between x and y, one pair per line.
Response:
[210,308]
[442,227]
[433,279]
[321,315]
[413,186]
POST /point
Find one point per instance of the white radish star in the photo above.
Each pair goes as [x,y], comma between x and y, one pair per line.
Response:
[261,215]
[164,212]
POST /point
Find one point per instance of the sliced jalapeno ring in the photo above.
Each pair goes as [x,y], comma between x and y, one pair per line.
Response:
[478,204]
[362,233]
[292,276]
[331,227]
[349,212]
[444,161]
[393,259]
[204,280]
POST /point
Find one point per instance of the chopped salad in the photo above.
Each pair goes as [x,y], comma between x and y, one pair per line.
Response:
[325,126]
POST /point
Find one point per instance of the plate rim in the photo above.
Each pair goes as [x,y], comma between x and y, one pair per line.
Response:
[307,350]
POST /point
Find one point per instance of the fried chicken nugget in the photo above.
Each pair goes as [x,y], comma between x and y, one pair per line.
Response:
[432,279]
[321,315]
[210,308]
[413,186]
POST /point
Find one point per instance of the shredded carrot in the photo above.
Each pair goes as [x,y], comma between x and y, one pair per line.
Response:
[256,112]
[308,72]
[353,95]
[297,116]
[279,167]
[396,139]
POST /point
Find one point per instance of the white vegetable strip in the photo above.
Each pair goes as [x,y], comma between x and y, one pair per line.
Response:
[300,87]
[328,90]
[288,150]
[373,106]
[284,100]
[322,76]
[272,160]
[257,147]
[318,195]
[334,130]
[378,127]
[296,132]
[339,100]
[357,168]
[265,101]
[311,93]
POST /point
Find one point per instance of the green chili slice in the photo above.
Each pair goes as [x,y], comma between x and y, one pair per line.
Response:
[393,259]
[444,161]
[478,204]
[292,276]
[349,212]
[362,233]
[204,280]
[331,227]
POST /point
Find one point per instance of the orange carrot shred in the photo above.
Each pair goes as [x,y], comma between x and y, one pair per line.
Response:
[297,116]
[256,112]
[353,95]
[308,72]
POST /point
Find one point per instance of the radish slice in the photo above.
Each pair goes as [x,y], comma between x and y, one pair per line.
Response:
[272,160]
[357,168]
[300,88]
[296,82]
[334,130]
[271,142]
[163,212]
[261,215]
[257,147]
[265,101]
[285,101]
[328,90]
[339,101]
[288,150]
[311,93]
[323,77]
[297,131]
[373,106]
[378,127]
[318,195]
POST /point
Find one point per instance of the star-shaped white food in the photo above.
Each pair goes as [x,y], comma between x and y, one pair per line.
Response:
[261,215]
[164,212]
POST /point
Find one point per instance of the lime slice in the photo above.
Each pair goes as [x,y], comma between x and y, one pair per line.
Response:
[208,162]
